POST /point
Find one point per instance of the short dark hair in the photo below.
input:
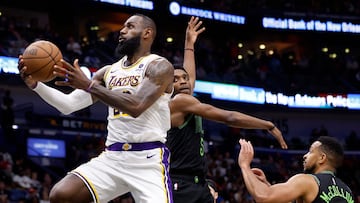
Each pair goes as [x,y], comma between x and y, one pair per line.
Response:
[333,150]
[148,22]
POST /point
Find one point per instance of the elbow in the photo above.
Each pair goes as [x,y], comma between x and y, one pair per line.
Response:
[66,109]
[66,112]
[262,198]
[135,114]
[259,199]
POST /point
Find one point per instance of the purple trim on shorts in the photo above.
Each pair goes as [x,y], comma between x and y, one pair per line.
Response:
[168,184]
[119,146]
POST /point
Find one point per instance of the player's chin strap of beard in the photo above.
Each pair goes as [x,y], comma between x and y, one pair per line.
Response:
[65,103]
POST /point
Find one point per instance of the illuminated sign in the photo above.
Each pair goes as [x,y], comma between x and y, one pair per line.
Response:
[176,9]
[76,124]
[142,4]
[9,65]
[254,95]
[312,25]
[251,95]
[231,92]
[353,101]
[221,91]
[46,147]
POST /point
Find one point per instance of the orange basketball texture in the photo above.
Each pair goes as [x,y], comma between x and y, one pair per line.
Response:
[39,58]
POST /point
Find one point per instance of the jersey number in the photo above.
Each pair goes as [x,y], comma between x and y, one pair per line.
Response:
[202,148]
[117,112]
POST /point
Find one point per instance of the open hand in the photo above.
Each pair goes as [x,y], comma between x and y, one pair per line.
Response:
[72,74]
[194,29]
[278,135]
[29,81]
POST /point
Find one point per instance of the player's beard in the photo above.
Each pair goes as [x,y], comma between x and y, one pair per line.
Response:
[129,47]
[309,170]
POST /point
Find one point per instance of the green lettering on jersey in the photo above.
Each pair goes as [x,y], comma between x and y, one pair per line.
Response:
[334,191]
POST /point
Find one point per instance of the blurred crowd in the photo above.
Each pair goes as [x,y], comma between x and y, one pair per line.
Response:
[22,181]
[290,71]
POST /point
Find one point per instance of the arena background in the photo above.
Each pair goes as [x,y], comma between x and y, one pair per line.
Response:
[311,61]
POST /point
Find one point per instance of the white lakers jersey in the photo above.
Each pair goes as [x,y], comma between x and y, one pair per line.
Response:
[152,124]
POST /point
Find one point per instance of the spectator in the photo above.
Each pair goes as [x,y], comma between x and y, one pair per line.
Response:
[7,117]
[91,60]
[73,48]
[4,192]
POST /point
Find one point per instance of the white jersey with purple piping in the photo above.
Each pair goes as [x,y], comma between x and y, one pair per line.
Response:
[151,125]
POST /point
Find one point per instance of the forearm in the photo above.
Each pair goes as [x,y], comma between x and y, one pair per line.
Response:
[254,186]
[124,102]
[189,61]
[65,103]
[240,120]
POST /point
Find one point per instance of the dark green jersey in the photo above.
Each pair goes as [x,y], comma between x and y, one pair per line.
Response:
[332,189]
[186,145]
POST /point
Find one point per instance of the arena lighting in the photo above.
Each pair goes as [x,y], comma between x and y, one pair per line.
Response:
[142,4]
[333,55]
[176,9]
[169,39]
[310,25]
[262,46]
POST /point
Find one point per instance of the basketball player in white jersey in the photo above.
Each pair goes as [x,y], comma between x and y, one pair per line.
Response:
[137,90]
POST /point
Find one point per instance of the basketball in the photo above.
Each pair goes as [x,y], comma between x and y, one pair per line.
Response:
[39,58]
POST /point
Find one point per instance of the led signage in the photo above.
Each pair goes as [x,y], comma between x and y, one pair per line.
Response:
[254,95]
[142,4]
[311,25]
[176,9]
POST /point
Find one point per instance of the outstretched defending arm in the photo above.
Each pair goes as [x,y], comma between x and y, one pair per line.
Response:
[192,31]
[185,104]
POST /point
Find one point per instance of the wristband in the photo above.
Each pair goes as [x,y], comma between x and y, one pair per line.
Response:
[90,86]
[189,49]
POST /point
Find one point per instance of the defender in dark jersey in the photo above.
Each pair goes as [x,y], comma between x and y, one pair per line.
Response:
[185,139]
[318,185]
